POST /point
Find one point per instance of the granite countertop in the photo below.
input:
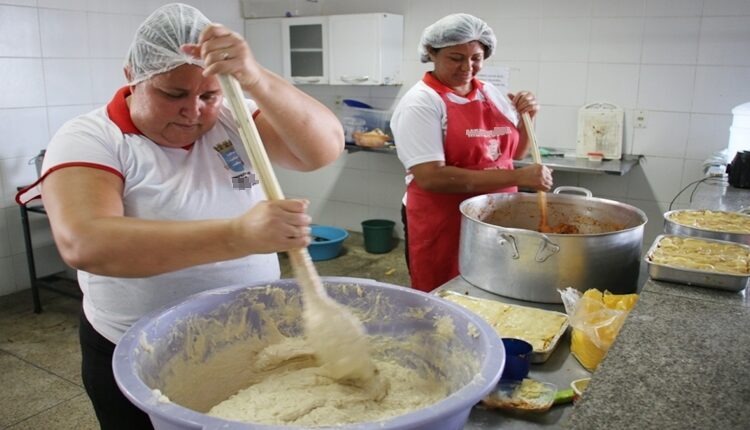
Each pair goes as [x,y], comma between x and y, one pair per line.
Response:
[680,360]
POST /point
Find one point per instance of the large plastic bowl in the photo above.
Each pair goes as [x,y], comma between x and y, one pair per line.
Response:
[166,348]
[326,242]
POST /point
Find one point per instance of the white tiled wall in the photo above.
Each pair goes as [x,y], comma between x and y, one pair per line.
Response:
[685,62]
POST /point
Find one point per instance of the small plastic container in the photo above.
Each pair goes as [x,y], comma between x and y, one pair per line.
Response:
[373,118]
[578,386]
[517,359]
[528,395]
[352,125]
[596,157]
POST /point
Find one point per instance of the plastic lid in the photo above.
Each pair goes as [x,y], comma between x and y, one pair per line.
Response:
[356,104]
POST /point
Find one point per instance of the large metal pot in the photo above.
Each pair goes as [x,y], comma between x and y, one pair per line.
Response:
[502,252]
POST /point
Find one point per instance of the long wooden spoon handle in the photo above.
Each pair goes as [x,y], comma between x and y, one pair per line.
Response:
[299,258]
[541,195]
[250,137]
[532,138]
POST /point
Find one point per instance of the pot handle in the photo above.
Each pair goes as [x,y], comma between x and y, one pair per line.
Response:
[507,239]
[546,249]
[584,191]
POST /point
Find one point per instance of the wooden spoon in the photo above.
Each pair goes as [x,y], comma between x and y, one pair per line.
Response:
[336,335]
[541,195]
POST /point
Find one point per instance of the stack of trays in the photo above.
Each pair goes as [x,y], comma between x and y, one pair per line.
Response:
[703,248]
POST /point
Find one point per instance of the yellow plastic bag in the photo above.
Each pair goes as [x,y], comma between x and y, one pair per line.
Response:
[596,319]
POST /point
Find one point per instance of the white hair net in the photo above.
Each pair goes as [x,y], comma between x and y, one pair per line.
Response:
[156,45]
[456,29]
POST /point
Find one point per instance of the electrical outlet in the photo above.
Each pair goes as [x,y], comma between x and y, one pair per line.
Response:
[639,120]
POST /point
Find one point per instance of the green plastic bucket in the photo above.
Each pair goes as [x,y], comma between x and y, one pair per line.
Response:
[378,235]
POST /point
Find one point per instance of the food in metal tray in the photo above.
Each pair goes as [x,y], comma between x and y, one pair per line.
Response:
[700,254]
[730,222]
[538,327]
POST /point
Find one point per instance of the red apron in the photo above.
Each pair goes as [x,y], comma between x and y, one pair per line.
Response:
[478,136]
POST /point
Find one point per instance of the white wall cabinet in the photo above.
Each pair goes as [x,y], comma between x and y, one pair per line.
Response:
[356,49]
[305,49]
[365,49]
[264,37]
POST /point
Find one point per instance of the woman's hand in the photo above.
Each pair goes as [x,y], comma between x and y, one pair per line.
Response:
[524,101]
[537,177]
[225,52]
[273,226]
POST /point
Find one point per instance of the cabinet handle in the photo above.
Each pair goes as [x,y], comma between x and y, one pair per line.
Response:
[355,78]
[306,80]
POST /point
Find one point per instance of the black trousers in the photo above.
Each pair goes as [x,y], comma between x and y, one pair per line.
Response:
[406,236]
[113,410]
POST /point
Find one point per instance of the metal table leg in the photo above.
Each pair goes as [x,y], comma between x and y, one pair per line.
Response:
[30,259]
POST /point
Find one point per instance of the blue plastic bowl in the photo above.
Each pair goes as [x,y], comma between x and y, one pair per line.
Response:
[326,242]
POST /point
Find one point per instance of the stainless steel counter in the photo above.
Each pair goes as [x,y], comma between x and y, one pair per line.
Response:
[560,369]
[678,361]
[716,194]
[567,163]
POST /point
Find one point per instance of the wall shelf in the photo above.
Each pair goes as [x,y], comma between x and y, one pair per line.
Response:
[563,164]
[352,148]
[583,165]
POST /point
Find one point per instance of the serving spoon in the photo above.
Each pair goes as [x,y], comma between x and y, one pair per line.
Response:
[541,195]
[335,334]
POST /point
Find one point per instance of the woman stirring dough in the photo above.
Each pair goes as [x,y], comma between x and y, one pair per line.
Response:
[152,197]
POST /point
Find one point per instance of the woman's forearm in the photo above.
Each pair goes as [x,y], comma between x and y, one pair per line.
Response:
[450,179]
[130,247]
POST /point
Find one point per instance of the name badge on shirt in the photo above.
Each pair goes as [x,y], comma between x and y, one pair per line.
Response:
[233,162]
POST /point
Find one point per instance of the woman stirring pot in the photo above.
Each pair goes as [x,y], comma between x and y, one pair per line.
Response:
[457,137]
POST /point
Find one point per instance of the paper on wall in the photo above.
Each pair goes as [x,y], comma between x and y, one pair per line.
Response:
[497,75]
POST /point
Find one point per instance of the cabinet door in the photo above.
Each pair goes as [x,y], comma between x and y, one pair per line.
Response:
[365,49]
[264,38]
[305,50]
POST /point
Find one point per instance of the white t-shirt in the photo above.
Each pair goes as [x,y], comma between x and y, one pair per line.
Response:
[210,179]
[419,122]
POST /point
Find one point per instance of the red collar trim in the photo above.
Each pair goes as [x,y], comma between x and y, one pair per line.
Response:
[119,113]
[441,88]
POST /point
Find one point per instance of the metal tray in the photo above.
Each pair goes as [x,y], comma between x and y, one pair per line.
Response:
[701,278]
[537,356]
[671,227]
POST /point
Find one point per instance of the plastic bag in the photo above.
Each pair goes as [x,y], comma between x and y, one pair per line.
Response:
[596,319]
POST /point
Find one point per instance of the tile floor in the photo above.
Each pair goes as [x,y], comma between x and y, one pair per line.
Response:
[40,381]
